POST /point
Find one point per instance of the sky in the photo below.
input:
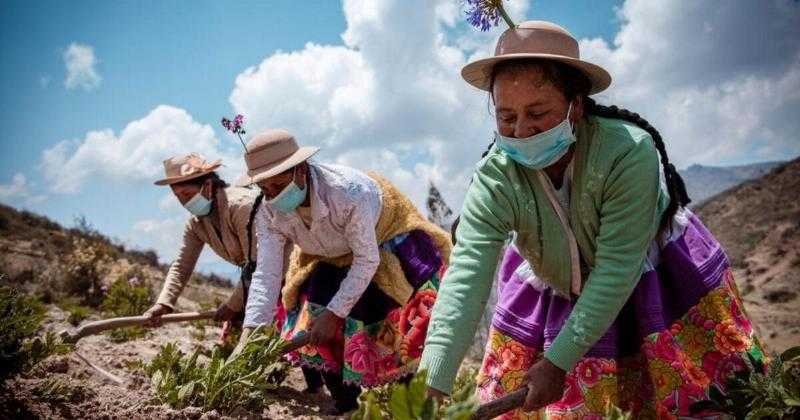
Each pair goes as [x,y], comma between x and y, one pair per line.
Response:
[96,94]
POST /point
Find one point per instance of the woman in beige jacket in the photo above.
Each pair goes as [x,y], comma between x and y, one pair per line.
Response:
[220,218]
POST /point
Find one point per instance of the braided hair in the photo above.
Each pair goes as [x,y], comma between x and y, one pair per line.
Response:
[573,84]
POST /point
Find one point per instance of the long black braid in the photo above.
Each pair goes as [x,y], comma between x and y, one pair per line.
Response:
[573,84]
[678,196]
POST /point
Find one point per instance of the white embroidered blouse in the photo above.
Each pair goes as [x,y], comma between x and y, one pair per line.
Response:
[345,207]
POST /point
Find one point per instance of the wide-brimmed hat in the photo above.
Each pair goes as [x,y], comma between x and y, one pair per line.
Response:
[536,39]
[271,153]
[183,168]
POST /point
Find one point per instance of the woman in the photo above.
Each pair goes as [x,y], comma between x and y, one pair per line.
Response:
[219,217]
[612,291]
[363,273]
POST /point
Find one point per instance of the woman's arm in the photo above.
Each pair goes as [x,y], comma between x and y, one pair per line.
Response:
[265,285]
[628,223]
[181,269]
[481,234]
[360,233]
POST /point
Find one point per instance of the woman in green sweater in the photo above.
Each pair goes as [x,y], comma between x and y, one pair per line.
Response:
[610,290]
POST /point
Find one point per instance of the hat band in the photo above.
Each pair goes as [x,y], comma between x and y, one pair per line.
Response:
[270,155]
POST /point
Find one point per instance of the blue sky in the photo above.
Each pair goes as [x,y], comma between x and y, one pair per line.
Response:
[327,71]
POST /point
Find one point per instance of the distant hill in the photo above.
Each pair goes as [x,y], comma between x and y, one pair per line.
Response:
[758,222]
[704,182]
[33,246]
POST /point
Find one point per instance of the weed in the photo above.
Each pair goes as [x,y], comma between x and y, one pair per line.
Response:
[224,385]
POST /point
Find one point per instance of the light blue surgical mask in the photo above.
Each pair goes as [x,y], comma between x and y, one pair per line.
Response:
[540,150]
[289,198]
[198,205]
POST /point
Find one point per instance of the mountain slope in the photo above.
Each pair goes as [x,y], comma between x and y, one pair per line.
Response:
[758,222]
[704,182]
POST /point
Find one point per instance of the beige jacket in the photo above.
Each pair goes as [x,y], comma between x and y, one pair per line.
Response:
[225,230]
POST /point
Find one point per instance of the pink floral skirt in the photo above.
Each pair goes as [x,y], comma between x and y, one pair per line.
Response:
[380,341]
[682,330]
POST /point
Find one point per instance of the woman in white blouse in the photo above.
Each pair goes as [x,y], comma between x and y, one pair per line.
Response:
[362,276]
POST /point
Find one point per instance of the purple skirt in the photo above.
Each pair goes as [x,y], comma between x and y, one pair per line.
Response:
[682,329]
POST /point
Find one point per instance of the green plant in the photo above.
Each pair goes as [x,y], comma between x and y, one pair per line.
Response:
[409,401]
[127,298]
[224,385]
[759,392]
[615,413]
[22,315]
[59,390]
[76,312]
[20,350]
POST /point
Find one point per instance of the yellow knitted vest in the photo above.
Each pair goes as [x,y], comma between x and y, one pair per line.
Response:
[398,216]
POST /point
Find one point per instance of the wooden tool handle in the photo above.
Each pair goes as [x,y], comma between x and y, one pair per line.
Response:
[130,321]
[501,405]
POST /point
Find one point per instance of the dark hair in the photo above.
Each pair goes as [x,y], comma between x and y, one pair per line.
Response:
[572,83]
[217,182]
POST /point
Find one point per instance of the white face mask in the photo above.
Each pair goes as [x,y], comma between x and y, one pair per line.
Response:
[540,150]
[198,205]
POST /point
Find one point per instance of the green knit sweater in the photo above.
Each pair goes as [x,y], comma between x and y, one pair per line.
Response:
[615,207]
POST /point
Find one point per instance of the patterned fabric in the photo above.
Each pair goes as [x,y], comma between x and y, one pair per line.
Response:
[683,329]
[345,206]
[380,341]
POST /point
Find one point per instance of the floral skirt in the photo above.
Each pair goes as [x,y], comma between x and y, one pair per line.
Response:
[682,330]
[380,341]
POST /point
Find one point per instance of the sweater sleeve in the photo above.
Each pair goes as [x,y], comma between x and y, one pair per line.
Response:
[181,269]
[628,223]
[480,236]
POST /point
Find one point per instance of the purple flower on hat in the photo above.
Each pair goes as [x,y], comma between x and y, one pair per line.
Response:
[134,281]
[236,127]
[483,14]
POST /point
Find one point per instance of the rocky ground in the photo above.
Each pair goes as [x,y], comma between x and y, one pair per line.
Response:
[64,386]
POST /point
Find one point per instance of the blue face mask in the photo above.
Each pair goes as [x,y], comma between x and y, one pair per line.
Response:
[540,150]
[198,205]
[289,199]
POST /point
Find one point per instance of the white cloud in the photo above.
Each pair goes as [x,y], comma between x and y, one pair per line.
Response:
[392,97]
[136,153]
[81,63]
[392,93]
[19,192]
[164,236]
[720,80]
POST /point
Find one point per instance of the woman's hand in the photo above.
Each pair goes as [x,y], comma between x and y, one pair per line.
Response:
[325,328]
[154,314]
[545,385]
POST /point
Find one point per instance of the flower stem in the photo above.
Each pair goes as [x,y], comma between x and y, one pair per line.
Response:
[505,16]
[242,141]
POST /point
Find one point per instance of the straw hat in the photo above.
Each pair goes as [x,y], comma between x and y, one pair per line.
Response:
[271,153]
[183,168]
[536,39]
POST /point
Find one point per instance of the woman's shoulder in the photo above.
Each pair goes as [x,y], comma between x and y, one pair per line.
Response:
[616,137]
[495,165]
[343,183]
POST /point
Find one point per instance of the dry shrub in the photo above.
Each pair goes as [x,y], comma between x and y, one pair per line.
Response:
[83,270]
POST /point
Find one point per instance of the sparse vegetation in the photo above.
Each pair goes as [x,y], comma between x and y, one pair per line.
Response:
[22,316]
[83,270]
[127,298]
[60,390]
[409,401]
[224,385]
[758,392]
